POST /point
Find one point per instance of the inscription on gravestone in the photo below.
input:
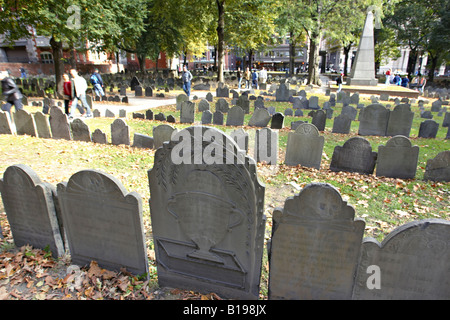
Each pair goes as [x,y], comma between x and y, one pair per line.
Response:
[315,246]
[354,156]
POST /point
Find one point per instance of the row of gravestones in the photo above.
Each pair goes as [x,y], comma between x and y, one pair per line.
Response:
[208,231]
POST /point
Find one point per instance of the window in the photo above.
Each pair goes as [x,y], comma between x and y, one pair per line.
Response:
[46,57]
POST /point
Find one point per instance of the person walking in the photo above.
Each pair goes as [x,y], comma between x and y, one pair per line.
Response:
[68,93]
[186,78]
[339,81]
[97,82]
[388,77]
[80,87]
[239,77]
[12,95]
[248,78]
[263,75]
[255,79]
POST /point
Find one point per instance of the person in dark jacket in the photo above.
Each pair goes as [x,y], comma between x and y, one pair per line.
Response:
[12,95]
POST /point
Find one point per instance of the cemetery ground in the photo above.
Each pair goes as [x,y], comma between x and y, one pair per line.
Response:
[384,203]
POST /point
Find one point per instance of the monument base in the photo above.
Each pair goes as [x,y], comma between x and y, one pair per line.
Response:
[362,82]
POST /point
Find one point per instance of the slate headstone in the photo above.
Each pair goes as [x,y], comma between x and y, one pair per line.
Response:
[222,105]
[355,155]
[161,134]
[266,146]
[42,125]
[142,141]
[438,168]
[277,121]
[6,125]
[373,120]
[24,123]
[80,131]
[241,138]
[120,133]
[342,124]
[304,147]
[103,222]
[235,116]
[319,119]
[99,137]
[59,124]
[206,117]
[260,118]
[400,121]
[187,112]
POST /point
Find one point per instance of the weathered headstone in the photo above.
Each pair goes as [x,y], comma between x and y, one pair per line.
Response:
[277,121]
[304,147]
[180,99]
[313,102]
[6,125]
[161,134]
[410,264]
[235,116]
[428,129]
[30,209]
[42,125]
[148,114]
[138,91]
[59,124]
[207,219]
[373,120]
[354,156]
[149,92]
[438,168]
[120,133]
[244,103]
[187,112]
[206,117]
[266,146]
[99,137]
[103,222]
[282,93]
[24,123]
[218,118]
[319,119]
[260,118]
[241,138]
[203,105]
[222,105]
[222,91]
[142,141]
[315,246]
[350,111]
[397,159]
[342,124]
[436,106]
[400,121]
[80,131]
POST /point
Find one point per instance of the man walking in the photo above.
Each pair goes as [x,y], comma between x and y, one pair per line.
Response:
[12,95]
[80,86]
[97,82]
[187,78]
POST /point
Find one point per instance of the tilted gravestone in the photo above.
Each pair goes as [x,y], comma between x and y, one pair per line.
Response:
[315,246]
[428,129]
[304,147]
[6,125]
[342,124]
[412,263]
[142,141]
[42,125]
[354,156]
[24,123]
[30,209]
[400,121]
[59,124]
[120,133]
[207,216]
[103,222]
[438,168]
[397,159]
[235,116]
[266,146]
[260,118]
[80,131]
[161,134]
[373,120]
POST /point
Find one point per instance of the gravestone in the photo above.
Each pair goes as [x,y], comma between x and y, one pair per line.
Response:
[373,120]
[412,263]
[218,118]
[313,102]
[123,90]
[96,113]
[342,124]
[209,97]
[160,117]
[398,159]
[30,209]
[295,124]
[80,131]
[297,103]
[446,121]
[203,105]
[122,113]
[288,112]
[271,110]
[222,105]
[436,106]
[315,246]
[99,137]
[161,134]
[109,114]
[222,91]
[400,121]
[235,116]
[266,146]
[120,132]
[142,141]
[298,113]
[354,156]
[426,115]
[207,219]
[282,93]
[206,117]
[148,114]
[59,124]
[42,125]
[304,147]
[103,222]
[244,103]
[138,115]
[277,121]
[260,118]
[428,129]
[241,138]
[171,118]
[438,168]
[180,99]
[149,92]
[259,103]
[134,83]
[319,119]
[187,113]
[6,126]
[350,112]
[138,91]
[24,123]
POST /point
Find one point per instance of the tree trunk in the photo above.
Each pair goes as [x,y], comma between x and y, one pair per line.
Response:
[221,40]
[250,55]
[411,62]
[291,54]
[434,61]
[313,67]
[141,60]
[346,54]
[58,63]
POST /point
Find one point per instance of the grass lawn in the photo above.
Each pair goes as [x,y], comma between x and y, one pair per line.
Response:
[383,203]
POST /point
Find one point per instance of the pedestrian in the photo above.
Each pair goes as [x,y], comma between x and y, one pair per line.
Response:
[97,82]
[187,78]
[339,81]
[263,75]
[239,77]
[397,80]
[80,87]
[255,79]
[12,95]
[388,77]
[68,92]
[405,81]
[23,73]
[247,77]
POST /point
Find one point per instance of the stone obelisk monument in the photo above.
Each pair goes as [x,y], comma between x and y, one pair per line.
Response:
[363,69]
